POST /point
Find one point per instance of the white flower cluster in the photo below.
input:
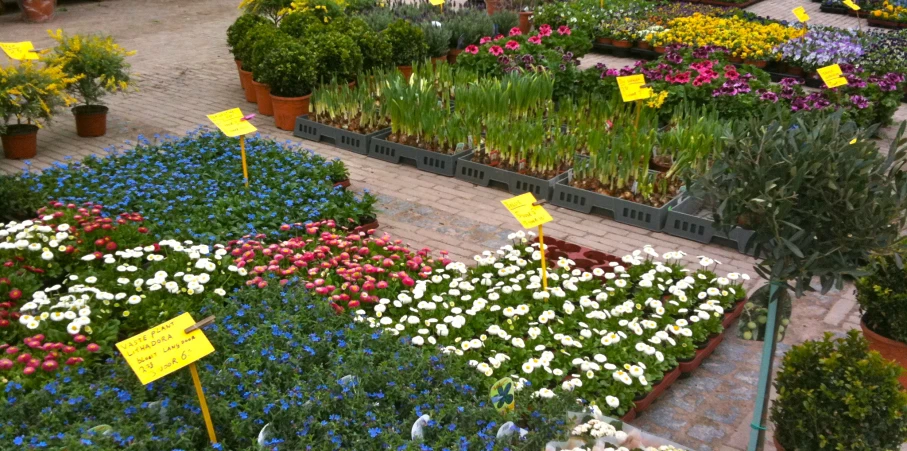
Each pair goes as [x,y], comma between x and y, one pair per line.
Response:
[35,236]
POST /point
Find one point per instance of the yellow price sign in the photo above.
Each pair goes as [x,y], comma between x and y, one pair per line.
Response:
[632,87]
[800,12]
[529,215]
[832,76]
[19,50]
[164,348]
[850,4]
[232,123]
[436,2]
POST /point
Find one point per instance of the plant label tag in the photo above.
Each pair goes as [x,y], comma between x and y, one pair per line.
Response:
[853,141]
[632,87]
[436,2]
[529,215]
[800,12]
[232,123]
[164,348]
[501,394]
[832,76]
[19,50]
[850,4]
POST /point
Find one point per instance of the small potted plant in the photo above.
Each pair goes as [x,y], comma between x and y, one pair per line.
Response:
[29,95]
[260,40]
[467,29]
[437,37]
[408,43]
[100,66]
[336,57]
[882,296]
[289,69]
[526,8]
[37,11]
[836,394]
[236,33]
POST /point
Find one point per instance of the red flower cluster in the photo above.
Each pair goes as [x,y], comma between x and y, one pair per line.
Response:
[38,354]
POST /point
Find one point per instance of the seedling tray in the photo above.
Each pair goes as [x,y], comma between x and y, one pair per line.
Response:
[344,139]
[425,160]
[484,175]
[688,220]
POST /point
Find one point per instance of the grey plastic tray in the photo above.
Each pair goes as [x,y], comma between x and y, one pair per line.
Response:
[344,139]
[689,220]
[624,211]
[425,160]
[484,175]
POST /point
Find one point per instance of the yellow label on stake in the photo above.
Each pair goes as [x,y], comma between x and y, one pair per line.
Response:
[529,215]
[19,50]
[832,76]
[231,123]
[436,2]
[800,12]
[164,348]
[631,87]
[853,141]
[850,4]
[502,395]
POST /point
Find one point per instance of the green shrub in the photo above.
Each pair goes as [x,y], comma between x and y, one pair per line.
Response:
[883,298]
[468,28]
[407,42]
[376,51]
[260,41]
[834,394]
[437,39]
[290,69]
[505,20]
[336,56]
[297,24]
[18,200]
[238,30]
[379,18]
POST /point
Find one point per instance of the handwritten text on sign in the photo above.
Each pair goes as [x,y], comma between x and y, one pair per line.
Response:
[19,50]
[164,348]
[832,76]
[529,215]
[631,87]
[231,123]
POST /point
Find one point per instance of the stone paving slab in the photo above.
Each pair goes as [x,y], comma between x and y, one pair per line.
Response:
[186,72]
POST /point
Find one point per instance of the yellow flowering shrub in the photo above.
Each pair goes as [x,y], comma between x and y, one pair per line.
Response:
[890,11]
[30,93]
[743,38]
[96,62]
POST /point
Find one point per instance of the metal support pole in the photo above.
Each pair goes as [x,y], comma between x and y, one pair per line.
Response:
[757,434]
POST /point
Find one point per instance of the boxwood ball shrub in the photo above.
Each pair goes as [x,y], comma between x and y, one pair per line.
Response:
[287,374]
[337,56]
[192,187]
[834,394]
[238,30]
[290,69]
[407,42]
[883,298]
[258,43]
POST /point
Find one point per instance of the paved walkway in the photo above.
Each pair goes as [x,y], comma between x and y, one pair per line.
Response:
[186,72]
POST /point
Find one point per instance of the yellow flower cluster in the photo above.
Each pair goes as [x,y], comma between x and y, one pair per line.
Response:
[890,11]
[743,38]
[30,84]
[657,100]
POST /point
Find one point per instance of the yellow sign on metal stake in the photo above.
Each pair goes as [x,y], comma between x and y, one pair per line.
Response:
[832,76]
[530,214]
[232,123]
[168,347]
[20,50]
[632,87]
[800,12]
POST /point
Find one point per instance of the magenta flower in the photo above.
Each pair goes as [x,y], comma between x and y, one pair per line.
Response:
[485,40]
[545,30]
[563,30]
[471,49]
[496,50]
[859,101]
[515,31]
[512,45]
[535,39]
[500,36]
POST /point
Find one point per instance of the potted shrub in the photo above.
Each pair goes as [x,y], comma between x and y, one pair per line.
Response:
[408,44]
[376,51]
[100,67]
[836,394]
[467,29]
[289,69]
[883,301]
[37,10]
[29,95]
[525,8]
[437,38]
[818,203]
[336,56]
[505,20]
[236,33]
[260,40]
[272,10]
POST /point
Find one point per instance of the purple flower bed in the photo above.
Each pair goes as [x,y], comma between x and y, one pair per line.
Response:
[822,46]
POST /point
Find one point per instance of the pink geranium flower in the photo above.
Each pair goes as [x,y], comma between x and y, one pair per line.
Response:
[563,30]
[484,40]
[535,40]
[471,49]
[496,50]
[545,30]
[515,31]
[500,36]
[512,45]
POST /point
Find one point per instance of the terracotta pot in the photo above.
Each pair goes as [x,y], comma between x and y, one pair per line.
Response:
[436,60]
[407,71]
[287,109]
[606,41]
[452,55]
[629,416]
[731,316]
[890,349]
[367,226]
[657,390]
[492,5]
[20,141]
[525,24]
[735,59]
[757,63]
[795,70]
[242,82]
[660,49]
[263,95]
[91,120]
[701,354]
[37,10]
[777,445]
[621,44]
[343,184]
[644,45]
[246,77]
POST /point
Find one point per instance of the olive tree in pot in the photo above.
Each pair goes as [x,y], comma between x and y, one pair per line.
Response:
[235,35]
[836,394]
[99,65]
[29,95]
[289,69]
[408,44]
[882,296]
[818,202]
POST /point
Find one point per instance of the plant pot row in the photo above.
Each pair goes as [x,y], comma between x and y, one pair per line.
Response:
[890,24]
[20,142]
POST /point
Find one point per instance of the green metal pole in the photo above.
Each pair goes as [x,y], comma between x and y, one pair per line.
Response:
[757,433]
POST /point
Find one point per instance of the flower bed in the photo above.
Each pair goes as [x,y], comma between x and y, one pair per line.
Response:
[192,187]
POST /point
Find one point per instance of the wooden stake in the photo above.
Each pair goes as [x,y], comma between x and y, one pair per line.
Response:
[245,169]
[201,400]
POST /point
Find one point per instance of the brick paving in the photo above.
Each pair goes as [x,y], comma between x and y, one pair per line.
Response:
[186,72]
